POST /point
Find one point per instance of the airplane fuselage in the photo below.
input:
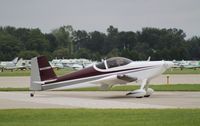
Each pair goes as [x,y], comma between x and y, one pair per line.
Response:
[140,70]
[113,71]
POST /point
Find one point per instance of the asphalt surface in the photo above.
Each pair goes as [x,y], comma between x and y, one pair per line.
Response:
[20,82]
[98,99]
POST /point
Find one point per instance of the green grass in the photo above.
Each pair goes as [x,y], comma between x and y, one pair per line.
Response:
[174,87]
[15,73]
[14,89]
[100,117]
[27,72]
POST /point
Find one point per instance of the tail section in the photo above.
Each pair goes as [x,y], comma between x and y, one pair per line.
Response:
[15,60]
[40,71]
[19,63]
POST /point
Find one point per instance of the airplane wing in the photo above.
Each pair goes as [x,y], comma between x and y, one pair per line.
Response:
[126,78]
[104,83]
[108,82]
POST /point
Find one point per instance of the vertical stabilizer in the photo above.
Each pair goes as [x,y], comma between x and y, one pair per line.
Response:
[15,60]
[40,71]
[19,63]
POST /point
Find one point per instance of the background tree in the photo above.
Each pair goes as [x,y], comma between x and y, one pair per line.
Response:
[83,53]
[62,53]
[64,37]
[9,46]
[65,42]
[37,41]
[81,39]
[193,45]
[28,54]
[111,40]
[53,45]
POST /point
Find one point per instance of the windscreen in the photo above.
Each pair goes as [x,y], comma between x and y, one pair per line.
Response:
[101,65]
[117,61]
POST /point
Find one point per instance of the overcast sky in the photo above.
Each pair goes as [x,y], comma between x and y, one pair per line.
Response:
[90,15]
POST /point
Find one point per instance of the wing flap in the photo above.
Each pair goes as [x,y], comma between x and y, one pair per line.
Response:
[126,78]
[115,79]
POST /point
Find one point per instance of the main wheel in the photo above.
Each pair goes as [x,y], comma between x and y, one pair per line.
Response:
[149,92]
[139,97]
[147,95]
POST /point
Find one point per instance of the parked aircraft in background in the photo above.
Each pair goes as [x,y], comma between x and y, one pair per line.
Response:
[76,64]
[110,72]
[23,64]
[56,65]
[15,64]
[9,65]
[186,64]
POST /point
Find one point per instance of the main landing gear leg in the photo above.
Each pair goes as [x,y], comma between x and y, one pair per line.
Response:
[139,93]
[149,91]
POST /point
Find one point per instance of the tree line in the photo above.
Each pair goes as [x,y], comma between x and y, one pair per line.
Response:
[65,42]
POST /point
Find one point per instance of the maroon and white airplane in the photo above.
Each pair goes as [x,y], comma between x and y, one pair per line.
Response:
[113,71]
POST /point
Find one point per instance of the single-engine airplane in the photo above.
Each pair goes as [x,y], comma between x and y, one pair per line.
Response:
[113,71]
[9,65]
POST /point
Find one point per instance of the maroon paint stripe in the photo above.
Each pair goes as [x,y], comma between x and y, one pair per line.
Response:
[88,72]
[46,71]
[47,74]
[102,76]
[42,61]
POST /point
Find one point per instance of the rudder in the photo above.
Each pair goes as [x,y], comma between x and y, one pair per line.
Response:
[40,71]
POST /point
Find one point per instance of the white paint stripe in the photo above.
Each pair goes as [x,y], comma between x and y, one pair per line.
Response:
[45,68]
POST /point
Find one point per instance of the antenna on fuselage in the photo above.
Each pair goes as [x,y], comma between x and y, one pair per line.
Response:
[149,58]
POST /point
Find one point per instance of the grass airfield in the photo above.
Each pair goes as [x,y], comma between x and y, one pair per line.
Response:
[106,117]
[28,72]
[170,87]
[69,70]
[100,117]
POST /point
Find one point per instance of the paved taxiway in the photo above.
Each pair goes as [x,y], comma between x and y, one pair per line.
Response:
[98,99]
[20,82]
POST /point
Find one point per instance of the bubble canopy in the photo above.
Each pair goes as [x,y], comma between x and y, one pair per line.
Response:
[113,62]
